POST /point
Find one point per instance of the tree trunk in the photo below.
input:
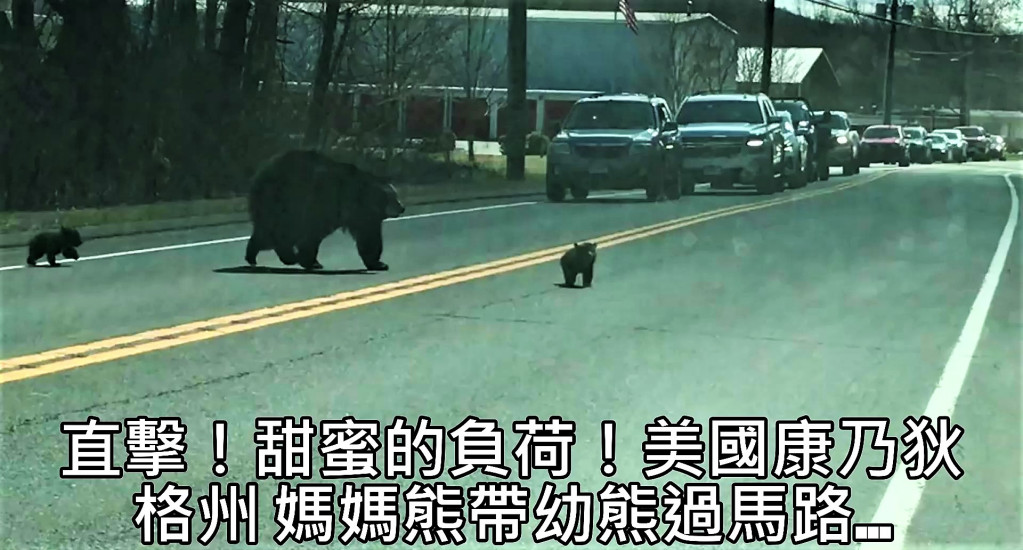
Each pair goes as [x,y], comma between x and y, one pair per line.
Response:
[322,78]
[262,50]
[209,26]
[232,43]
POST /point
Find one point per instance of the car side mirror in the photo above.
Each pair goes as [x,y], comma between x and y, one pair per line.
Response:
[670,126]
[774,119]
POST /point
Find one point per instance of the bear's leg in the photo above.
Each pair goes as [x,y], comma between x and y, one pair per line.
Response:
[257,243]
[286,253]
[588,277]
[70,253]
[370,243]
[308,250]
[52,258]
[569,276]
[34,253]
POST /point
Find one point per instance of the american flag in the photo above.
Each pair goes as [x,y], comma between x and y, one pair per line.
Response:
[630,15]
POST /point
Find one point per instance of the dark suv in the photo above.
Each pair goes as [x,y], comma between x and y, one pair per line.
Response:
[726,139]
[976,142]
[919,147]
[808,126]
[612,141]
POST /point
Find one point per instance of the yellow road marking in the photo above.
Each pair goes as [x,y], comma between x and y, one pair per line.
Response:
[101,351]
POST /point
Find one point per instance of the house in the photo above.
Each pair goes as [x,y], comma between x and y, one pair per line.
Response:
[804,72]
[570,55]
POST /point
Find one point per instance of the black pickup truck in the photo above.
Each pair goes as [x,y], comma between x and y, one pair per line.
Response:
[725,139]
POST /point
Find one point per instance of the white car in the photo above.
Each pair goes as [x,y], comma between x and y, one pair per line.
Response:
[797,157]
[941,150]
[956,142]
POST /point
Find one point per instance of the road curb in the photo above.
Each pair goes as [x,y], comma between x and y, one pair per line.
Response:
[21,238]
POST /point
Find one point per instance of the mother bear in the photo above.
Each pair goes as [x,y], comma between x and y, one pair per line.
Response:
[300,197]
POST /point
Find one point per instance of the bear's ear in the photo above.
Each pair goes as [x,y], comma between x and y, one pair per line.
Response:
[576,245]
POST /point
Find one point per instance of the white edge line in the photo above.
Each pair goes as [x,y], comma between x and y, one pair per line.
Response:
[237,239]
[902,496]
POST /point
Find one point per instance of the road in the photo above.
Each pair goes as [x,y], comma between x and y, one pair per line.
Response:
[847,298]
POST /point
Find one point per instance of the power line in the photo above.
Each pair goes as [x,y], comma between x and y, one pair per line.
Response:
[857,13]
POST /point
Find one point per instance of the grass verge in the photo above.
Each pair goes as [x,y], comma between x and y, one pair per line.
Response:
[485,177]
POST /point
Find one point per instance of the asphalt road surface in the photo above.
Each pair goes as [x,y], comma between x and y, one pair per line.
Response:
[889,294]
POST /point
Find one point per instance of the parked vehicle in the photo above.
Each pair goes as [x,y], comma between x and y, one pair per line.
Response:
[884,143]
[796,157]
[997,150]
[976,141]
[845,141]
[955,142]
[941,149]
[809,127]
[919,149]
[727,139]
[613,141]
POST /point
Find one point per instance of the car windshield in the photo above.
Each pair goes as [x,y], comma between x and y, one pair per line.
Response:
[881,132]
[798,111]
[971,131]
[610,115]
[937,138]
[700,112]
[950,134]
[914,133]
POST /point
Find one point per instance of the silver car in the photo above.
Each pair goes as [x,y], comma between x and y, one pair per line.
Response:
[956,142]
[941,150]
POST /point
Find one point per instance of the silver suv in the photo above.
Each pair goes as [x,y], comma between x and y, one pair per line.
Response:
[727,139]
[613,141]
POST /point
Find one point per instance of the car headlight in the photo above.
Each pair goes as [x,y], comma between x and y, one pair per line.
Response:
[755,142]
[558,148]
[842,140]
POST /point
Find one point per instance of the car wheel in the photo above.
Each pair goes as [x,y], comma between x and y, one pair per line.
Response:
[555,192]
[768,185]
[580,193]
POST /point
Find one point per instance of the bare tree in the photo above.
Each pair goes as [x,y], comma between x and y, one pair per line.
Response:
[750,61]
[688,54]
[476,64]
[397,51]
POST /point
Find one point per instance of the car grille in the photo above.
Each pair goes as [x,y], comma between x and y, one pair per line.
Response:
[600,151]
[712,147]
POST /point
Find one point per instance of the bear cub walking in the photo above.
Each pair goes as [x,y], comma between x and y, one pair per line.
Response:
[51,243]
[579,259]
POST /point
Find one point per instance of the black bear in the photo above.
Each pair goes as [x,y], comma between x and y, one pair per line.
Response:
[579,259]
[51,243]
[300,197]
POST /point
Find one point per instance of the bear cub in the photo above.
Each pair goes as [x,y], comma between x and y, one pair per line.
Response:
[579,260]
[50,243]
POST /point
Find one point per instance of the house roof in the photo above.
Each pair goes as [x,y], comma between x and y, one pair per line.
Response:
[788,65]
[587,16]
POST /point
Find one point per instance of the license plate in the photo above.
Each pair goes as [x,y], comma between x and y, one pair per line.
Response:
[598,170]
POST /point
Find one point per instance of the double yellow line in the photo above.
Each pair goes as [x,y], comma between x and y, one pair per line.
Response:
[71,357]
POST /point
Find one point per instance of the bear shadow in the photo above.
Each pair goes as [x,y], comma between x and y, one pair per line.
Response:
[48,266]
[573,287]
[266,270]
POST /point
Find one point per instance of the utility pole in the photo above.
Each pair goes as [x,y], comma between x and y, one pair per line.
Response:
[889,76]
[765,66]
[971,22]
[515,140]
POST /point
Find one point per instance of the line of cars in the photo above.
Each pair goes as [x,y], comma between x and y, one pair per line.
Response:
[628,141]
[904,145]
